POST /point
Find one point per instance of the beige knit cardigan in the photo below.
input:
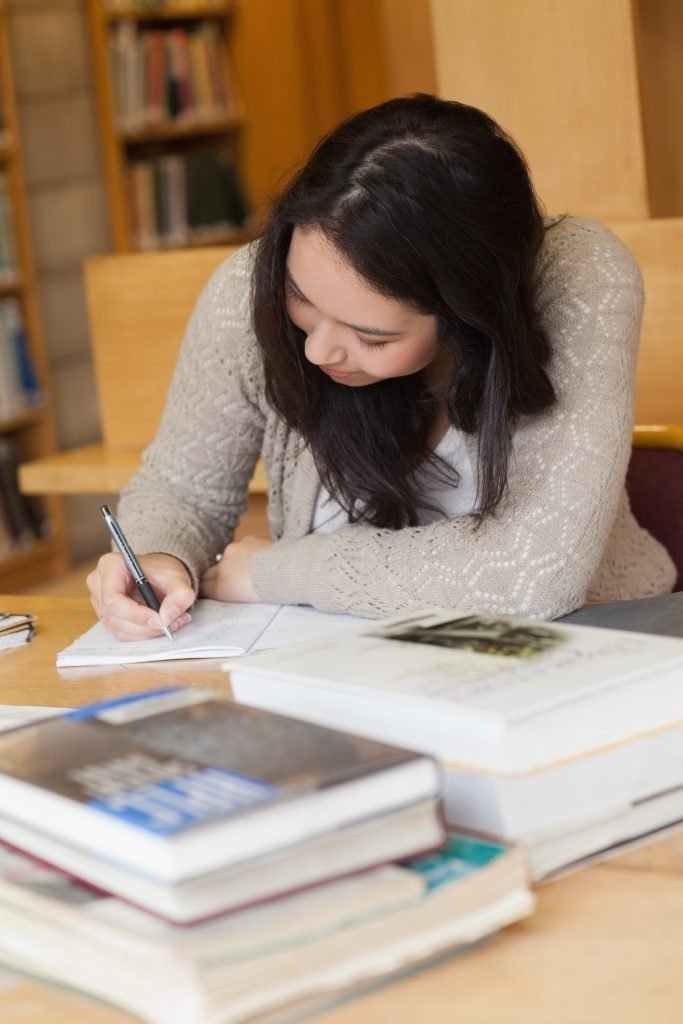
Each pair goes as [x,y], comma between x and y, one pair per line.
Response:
[564,533]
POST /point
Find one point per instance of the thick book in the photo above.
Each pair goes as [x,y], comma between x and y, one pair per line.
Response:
[310,949]
[175,784]
[544,730]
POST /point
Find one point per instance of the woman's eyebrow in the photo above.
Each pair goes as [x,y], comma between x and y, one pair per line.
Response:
[377,332]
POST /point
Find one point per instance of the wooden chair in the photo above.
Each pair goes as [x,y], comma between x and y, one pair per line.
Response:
[138,306]
[655,476]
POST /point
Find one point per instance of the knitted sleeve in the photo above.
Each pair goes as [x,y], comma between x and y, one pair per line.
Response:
[192,485]
[537,555]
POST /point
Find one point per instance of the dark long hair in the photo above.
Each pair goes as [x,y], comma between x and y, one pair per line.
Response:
[432,204]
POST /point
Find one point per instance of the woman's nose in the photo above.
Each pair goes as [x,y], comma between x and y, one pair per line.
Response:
[323,346]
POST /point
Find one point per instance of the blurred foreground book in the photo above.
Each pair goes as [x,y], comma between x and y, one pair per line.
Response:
[299,954]
[189,805]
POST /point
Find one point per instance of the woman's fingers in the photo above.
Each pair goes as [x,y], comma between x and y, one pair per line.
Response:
[119,604]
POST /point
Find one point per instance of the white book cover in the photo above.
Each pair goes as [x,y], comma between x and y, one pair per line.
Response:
[494,693]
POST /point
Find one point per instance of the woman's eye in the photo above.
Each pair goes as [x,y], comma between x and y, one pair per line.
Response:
[293,295]
[375,346]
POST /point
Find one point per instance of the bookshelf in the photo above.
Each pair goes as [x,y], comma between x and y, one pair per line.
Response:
[170,122]
[26,419]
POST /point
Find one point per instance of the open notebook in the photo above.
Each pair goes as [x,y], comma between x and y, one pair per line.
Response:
[217,630]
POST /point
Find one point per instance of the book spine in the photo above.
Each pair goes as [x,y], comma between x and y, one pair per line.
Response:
[12,398]
[20,525]
[155,77]
[212,48]
[174,98]
[182,57]
[8,249]
[201,85]
[28,388]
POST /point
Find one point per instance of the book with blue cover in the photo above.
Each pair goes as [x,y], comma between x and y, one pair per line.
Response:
[176,786]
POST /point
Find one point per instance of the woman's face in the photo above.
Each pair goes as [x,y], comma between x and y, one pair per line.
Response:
[354,334]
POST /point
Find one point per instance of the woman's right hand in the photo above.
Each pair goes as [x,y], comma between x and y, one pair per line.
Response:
[119,604]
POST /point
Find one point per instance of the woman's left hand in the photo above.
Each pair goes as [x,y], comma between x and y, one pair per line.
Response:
[230,578]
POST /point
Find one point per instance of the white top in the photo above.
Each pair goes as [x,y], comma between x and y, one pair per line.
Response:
[448,500]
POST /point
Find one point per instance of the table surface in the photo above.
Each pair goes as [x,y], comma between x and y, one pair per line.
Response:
[605,944]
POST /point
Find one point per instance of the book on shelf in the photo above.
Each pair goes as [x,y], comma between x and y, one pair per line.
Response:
[19,388]
[8,245]
[218,629]
[190,805]
[564,738]
[22,517]
[169,75]
[180,198]
[305,950]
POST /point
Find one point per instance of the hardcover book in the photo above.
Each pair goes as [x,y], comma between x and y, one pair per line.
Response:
[566,738]
[304,951]
[175,784]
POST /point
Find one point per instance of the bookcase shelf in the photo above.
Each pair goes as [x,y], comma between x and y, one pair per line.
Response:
[170,130]
[10,287]
[168,11]
[28,431]
[170,122]
[26,418]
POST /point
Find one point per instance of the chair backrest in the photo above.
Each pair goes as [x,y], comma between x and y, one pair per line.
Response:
[139,305]
[658,247]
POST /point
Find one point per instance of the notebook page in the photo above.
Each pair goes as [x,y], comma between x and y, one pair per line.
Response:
[217,630]
[293,624]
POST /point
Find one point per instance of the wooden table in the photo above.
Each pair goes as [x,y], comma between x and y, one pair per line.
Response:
[605,945]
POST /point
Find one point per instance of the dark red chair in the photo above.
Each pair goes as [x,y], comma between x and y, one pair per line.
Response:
[655,487]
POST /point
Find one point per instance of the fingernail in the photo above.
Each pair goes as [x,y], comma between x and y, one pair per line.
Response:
[154,622]
[172,613]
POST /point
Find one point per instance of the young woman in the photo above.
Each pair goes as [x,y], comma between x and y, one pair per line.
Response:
[440,382]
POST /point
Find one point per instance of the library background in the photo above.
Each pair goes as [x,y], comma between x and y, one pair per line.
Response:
[148,125]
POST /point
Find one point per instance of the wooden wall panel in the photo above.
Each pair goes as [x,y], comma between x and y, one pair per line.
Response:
[659,32]
[408,46]
[658,246]
[561,77]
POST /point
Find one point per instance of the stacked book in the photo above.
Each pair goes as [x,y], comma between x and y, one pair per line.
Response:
[196,861]
[15,630]
[564,739]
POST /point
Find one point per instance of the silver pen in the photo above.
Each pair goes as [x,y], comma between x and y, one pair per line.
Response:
[134,567]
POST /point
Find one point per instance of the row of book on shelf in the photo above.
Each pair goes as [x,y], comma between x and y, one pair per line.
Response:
[8,245]
[176,74]
[22,517]
[19,389]
[348,817]
[178,199]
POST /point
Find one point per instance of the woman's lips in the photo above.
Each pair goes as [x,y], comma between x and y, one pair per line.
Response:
[337,374]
